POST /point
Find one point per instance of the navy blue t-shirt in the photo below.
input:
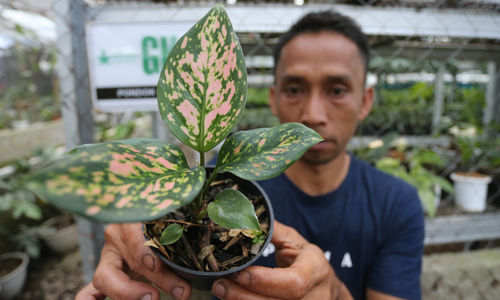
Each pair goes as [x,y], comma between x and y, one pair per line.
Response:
[371,229]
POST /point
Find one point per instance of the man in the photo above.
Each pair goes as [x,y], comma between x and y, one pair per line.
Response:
[358,233]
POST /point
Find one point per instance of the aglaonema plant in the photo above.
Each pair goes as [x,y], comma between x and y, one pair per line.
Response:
[201,96]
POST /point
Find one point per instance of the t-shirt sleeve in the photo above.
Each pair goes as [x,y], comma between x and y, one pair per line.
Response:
[397,264]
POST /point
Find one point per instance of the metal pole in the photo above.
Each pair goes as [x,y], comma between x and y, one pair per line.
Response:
[72,69]
[492,108]
[488,112]
[438,97]
[160,130]
[496,87]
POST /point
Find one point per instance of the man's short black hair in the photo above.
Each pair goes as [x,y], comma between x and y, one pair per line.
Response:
[326,21]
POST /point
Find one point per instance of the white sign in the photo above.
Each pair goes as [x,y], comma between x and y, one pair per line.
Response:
[125,60]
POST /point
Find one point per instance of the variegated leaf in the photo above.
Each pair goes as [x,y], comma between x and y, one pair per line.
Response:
[266,152]
[124,181]
[202,87]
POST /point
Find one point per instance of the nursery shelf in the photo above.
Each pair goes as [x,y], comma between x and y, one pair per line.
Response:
[462,228]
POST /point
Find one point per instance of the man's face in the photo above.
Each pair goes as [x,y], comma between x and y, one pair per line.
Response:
[320,83]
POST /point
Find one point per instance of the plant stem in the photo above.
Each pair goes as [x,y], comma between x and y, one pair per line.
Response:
[199,211]
[189,223]
[191,253]
[197,204]
[204,242]
[202,158]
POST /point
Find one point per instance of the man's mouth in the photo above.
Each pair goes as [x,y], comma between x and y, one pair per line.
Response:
[322,145]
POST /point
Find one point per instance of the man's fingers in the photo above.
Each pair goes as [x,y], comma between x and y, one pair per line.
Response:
[143,261]
[288,243]
[287,237]
[112,281]
[89,292]
[226,289]
[309,269]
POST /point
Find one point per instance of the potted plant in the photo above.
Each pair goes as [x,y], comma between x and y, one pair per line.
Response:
[417,166]
[59,233]
[412,168]
[13,271]
[201,95]
[476,154]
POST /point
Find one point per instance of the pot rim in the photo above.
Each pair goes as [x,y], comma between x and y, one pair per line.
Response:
[462,177]
[24,263]
[235,269]
[48,224]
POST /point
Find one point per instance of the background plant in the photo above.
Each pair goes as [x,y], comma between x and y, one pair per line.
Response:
[417,166]
[21,212]
[476,151]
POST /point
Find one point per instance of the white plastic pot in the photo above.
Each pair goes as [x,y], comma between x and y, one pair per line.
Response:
[471,191]
[60,241]
[12,283]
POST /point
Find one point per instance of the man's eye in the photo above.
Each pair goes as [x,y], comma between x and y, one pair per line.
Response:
[294,91]
[336,91]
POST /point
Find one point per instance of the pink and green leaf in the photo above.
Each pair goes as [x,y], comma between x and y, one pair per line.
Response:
[266,152]
[124,181]
[202,87]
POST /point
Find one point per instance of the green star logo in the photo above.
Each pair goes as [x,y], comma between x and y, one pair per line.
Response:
[103,58]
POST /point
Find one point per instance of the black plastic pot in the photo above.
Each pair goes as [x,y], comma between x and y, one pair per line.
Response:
[204,280]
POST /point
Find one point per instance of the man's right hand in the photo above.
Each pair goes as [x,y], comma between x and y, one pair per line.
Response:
[127,269]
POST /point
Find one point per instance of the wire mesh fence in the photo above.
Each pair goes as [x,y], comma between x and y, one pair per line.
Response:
[437,87]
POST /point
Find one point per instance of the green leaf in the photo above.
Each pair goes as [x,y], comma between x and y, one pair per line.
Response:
[387,163]
[171,234]
[231,209]
[32,211]
[428,201]
[265,152]
[124,181]
[202,87]
[443,183]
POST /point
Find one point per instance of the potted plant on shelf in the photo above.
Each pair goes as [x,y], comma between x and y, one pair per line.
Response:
[476,154]
[198,211]
[413,168]
[415,165]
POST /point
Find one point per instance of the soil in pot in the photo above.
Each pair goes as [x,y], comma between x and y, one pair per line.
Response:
[472,174]
[230,248]
[8,265]
[63,222]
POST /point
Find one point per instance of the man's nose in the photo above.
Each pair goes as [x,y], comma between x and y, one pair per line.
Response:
[314,110]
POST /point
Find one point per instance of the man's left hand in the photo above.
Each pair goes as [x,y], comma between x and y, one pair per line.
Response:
[303,273]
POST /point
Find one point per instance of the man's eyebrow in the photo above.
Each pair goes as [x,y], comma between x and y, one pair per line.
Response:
[339,78]
[292,78]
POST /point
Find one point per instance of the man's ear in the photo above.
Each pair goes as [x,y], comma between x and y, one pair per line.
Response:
[366,105]
[272,100]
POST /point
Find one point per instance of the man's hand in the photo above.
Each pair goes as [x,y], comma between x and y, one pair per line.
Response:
[303,273]
[127,268]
